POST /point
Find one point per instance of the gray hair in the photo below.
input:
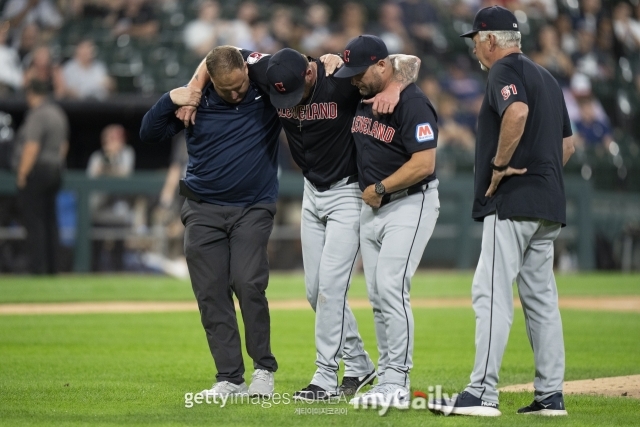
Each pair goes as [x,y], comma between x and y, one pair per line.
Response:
[504,39]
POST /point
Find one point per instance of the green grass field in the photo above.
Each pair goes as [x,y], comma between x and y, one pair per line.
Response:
[134,369]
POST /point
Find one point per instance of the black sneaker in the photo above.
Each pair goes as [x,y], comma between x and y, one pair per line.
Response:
[312,393]
[465,404]
[551,406]
[352,385]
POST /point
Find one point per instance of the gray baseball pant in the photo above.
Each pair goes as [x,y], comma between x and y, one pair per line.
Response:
[520,250]
[330,233]
[393,239]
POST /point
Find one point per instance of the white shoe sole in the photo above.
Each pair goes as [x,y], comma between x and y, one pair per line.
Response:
[548,413]
[474,411]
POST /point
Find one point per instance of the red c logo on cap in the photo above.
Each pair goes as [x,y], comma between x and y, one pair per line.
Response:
[483,25]
[346,55]
[280,87]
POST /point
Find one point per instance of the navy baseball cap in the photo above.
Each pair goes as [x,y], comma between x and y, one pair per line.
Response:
[285,73]
[493,18]
[361,53]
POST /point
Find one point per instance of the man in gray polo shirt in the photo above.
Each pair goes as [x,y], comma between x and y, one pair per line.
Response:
[39,159]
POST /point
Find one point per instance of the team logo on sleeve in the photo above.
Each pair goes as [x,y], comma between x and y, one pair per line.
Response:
[255,57]
[424,133]
[508,90]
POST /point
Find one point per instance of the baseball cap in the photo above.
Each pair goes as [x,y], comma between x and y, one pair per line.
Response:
[493,18]
[360,54]
[285,73]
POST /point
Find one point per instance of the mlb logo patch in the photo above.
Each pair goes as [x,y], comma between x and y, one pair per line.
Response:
[255,57]
[424,133]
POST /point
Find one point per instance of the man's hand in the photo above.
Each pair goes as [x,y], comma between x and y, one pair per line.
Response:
[187,115]
[331,63]
[384,102]
[186,96]
[497,177]
[370,197]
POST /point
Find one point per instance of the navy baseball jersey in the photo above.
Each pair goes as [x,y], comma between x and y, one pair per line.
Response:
[319,130]
[385,143]
[539,193]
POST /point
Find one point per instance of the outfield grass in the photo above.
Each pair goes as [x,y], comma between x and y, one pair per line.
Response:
[15,289]
[134,369]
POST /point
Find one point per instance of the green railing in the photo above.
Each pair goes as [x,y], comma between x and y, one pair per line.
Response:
[455,240]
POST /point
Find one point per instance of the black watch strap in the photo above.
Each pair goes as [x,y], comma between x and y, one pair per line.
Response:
[496,167]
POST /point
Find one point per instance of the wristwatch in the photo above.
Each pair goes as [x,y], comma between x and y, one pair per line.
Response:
[496,167]
[380,190]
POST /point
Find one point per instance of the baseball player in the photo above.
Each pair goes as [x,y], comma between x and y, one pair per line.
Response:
[316,111]
[396,170]
[524,139]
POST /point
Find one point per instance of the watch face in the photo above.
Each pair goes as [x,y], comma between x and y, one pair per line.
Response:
[379,188]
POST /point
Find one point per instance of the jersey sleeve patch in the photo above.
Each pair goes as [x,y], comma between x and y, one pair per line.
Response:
[255,57]
[424,132]
[508,90]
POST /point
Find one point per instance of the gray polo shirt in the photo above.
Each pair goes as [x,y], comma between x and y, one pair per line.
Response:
[48,126]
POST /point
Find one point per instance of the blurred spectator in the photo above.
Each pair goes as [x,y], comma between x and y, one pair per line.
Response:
[240,31]
[115,159]
[430,86]
[538,9]
[84,77]
[626,29]
[580,89]
[39,159]
[261,38]
[10,68]
[317,20]
[590,15]
[201,35]
[353,22]
[79,9]
[421,21]
[136,18]
[283,28]
[588,60]
[391,29]
[459,82]
[20,13]
[591,131]
[568,40]
[29,40]
[452,131]
[41,67]
[551,57]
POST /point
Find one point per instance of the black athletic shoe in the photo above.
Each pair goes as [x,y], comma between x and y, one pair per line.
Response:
[352,385]
[551,406]
[312,393]
[465,404]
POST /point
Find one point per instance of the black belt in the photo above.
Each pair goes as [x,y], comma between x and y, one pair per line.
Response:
[387,198]
[323,188]
[188,193]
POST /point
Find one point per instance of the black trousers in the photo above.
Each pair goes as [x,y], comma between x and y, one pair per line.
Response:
[38,205]
[226,251]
